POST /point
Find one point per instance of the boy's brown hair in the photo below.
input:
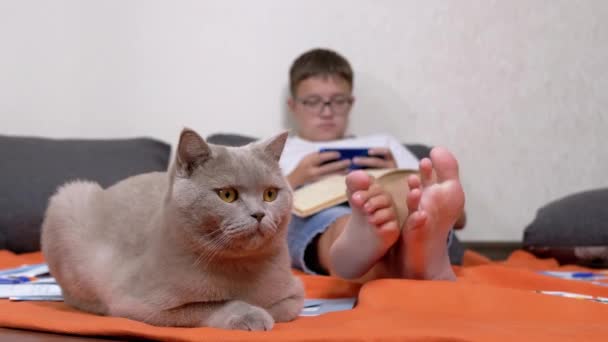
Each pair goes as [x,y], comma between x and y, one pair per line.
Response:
[319,62]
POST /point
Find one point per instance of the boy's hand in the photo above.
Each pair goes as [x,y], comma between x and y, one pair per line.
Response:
[381,158]
[312,167]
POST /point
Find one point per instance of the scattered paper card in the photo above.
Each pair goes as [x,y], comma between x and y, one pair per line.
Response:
[26,270]
[29,290]
[37,298]
[29,282]
[584,276]
[602,300]
[316,307]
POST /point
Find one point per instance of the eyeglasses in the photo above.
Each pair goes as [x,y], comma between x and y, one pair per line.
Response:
[338,105]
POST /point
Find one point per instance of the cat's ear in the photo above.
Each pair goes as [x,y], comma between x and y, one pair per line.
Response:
[192,151]
[274,146]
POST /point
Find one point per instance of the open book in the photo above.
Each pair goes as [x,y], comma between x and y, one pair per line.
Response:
[331,190]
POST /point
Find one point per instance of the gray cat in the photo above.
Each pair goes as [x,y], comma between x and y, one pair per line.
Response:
[201,245]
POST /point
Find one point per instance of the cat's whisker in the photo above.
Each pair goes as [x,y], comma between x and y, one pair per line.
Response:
[214,247]
[203,257]
[208,234]
[272,226]
[197,261]
[210,255]
[232,228]
[203,240]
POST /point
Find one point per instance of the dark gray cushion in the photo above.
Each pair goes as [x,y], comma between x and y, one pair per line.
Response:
[229,139]
[456,249]
[564,228]
[32,169]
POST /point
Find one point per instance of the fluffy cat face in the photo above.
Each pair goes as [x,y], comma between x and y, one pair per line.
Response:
[235,201]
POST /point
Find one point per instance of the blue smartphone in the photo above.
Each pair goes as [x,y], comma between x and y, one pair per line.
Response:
[349,153]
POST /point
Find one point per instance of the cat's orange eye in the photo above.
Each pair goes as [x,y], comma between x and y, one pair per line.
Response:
[228,195]
[270,194]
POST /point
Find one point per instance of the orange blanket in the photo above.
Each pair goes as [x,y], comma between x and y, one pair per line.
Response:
[489,302]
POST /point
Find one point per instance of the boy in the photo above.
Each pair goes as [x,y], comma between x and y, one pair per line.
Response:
[364,240]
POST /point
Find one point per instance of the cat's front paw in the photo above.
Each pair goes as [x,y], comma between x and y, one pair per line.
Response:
[252,318]
[289,308]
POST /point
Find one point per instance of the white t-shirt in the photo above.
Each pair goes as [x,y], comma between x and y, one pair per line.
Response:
[297,148]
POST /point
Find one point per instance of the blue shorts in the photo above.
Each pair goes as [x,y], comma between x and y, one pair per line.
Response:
[302,232]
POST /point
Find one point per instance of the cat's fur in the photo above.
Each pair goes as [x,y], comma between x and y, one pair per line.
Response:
[163,248]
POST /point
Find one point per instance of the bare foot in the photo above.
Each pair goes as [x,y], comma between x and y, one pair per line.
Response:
[435,202]
[371,230]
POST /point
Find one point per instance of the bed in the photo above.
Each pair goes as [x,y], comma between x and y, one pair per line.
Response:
[492,300]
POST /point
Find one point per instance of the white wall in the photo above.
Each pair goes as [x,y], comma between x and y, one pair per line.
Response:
[517,89]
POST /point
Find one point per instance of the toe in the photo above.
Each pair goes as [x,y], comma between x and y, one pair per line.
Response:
[382,216]
[413,182]
[389,226]
[444,163]
[413,200]
[416,220]
[379,201]
[375,189]
[357,180]
[358,199]
[426,172]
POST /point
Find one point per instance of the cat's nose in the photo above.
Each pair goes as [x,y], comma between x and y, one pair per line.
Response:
[258,216]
